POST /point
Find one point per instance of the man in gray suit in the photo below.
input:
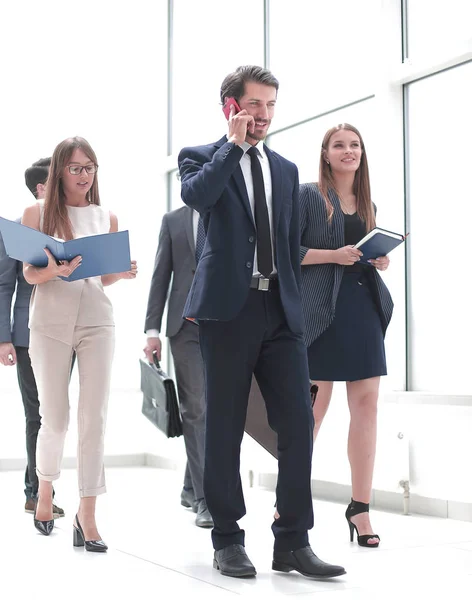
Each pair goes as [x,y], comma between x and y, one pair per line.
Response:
[181,232]
[14,339]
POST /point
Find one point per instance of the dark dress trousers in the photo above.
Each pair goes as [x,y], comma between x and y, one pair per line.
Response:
[173,270]
[245,331]
[15,330]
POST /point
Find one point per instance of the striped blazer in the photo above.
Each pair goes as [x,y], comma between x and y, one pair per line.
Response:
[320,283]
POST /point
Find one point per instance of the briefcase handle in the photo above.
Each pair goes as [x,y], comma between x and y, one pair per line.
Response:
[155,360]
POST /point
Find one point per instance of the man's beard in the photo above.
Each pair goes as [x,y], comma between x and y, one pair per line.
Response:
[256,136]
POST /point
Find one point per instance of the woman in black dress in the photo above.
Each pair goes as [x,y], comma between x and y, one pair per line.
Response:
[346,305]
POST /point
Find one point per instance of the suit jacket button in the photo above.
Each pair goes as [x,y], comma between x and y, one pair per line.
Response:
[193,271]
[251,239]
[248,265]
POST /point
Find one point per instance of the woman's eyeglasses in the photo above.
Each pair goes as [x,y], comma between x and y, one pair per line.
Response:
[77,169]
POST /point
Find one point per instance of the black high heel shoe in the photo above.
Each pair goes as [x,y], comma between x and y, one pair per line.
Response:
[356,508]
[44,527]
[90,545]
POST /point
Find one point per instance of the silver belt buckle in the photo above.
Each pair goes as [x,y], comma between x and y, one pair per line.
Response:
[263,284]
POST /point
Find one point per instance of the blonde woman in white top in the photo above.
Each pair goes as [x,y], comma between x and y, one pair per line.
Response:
[67,317]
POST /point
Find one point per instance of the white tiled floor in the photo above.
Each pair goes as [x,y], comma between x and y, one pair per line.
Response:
[156,551]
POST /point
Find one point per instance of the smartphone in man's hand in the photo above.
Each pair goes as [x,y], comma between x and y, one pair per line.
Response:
[227,107]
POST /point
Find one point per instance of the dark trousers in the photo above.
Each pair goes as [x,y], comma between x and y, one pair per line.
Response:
[189,375]
[257,341]
[29,395]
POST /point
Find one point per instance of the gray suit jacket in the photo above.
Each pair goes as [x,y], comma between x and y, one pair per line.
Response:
[175,259]
[13,328]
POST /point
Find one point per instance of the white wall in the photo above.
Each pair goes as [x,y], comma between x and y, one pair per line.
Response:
[95,69]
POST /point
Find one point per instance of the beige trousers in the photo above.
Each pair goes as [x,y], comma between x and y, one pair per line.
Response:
[51,361]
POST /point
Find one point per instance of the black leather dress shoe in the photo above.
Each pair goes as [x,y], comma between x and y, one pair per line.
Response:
[305,562]
[203,518]
[233,562]
[187,499]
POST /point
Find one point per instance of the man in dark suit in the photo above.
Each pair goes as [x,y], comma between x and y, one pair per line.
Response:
[246,299]
[14,338]
[175,259]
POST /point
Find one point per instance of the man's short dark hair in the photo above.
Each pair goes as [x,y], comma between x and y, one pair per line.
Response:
[234,84]
[37,173]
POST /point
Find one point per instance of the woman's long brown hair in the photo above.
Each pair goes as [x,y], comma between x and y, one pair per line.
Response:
[361,186]
[56,221]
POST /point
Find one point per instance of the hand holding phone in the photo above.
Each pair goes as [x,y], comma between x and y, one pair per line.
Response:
[227,107]
[240,122]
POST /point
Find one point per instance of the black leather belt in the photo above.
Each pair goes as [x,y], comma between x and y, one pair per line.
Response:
[264,285]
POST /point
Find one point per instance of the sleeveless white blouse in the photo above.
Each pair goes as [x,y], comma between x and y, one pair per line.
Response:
[58,306]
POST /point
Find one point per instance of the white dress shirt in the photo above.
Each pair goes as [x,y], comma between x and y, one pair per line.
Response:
[196,216]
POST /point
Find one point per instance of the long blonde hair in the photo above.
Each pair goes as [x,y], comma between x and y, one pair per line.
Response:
[56,220]
[361,186]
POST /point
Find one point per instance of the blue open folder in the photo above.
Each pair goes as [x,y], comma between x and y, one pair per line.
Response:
[378,242]
[101,254]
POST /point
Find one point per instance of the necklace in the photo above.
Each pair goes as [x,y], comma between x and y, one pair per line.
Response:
[348,207]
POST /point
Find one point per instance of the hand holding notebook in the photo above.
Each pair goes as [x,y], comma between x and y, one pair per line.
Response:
[101,254]
[378,242]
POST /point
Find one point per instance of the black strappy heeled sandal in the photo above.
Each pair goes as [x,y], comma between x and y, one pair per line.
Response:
[356,508]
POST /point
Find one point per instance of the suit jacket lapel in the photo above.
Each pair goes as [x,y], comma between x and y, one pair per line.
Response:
[338,220]
[189,229]
[241,185]
[276,174]
[338,233]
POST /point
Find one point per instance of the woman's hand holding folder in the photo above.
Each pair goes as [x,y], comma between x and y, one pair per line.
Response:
[114,277]
[54,268]
[62,268]
[131,274]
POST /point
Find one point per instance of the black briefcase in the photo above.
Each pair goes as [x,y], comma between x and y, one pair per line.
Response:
[160,404]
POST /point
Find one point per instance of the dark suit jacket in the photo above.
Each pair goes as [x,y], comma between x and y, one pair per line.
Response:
[213,184]
[14,330]
[320,283]
[175,259]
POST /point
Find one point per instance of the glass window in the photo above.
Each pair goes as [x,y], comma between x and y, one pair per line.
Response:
[321,52]
[301,145]
[203,56]
[433,25]
[440,319]
[175,200]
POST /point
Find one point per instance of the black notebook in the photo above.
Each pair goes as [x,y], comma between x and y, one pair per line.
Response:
[378,242]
